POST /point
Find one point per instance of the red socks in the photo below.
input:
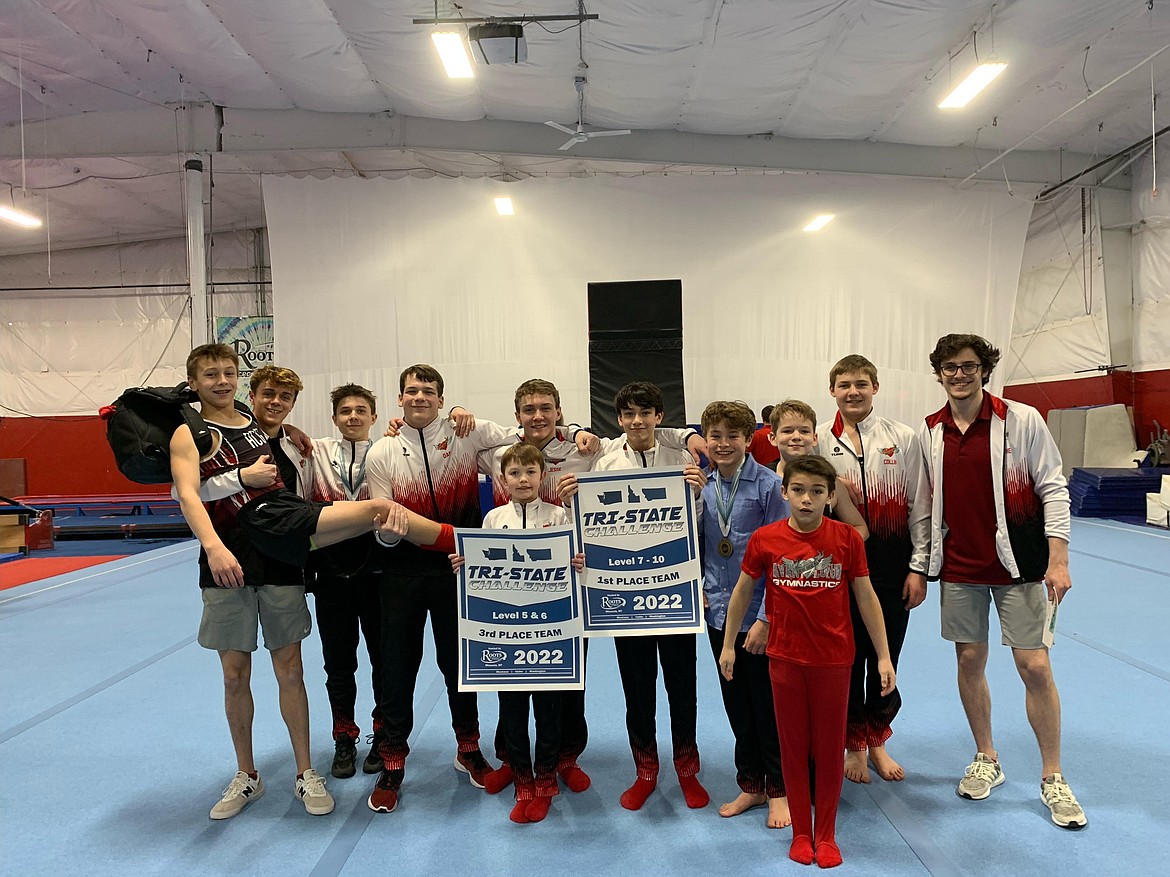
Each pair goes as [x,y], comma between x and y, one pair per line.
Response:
[537,808]
[828,854]
[696,796]
[694,793]
[801,850]
[518,815]
[498,780]
[635,796]
[575,778]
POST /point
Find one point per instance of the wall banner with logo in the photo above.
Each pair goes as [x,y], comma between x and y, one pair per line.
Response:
[640,534]
[519,611]
[251,338]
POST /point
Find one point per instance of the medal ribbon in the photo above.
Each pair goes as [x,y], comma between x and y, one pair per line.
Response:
[725,509]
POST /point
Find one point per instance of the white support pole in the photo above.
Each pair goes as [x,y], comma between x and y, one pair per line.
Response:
[197,253]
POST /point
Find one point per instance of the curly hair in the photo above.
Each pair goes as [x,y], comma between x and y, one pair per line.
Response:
[949,345]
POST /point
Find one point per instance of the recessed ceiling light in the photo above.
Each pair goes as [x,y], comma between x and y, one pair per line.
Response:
[504,207]
[977,80]
[452,49]
[820,221]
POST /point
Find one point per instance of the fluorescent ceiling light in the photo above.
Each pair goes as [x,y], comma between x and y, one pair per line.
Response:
[19,218]
[820,222]
[977,80]
[453,51]
[504,207]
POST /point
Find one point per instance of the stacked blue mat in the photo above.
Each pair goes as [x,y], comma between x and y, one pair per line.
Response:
[1108,493]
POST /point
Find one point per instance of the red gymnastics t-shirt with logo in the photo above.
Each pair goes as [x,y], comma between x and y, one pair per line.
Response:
[808,577]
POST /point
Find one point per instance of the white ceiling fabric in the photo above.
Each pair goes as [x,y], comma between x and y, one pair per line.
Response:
[850,69]
[860,72]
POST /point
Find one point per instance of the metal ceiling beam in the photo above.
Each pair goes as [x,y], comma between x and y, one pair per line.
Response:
[206,128]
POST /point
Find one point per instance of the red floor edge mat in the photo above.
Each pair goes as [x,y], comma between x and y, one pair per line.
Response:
[33,569]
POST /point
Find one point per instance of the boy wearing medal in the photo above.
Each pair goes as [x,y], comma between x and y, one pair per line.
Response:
[740,497]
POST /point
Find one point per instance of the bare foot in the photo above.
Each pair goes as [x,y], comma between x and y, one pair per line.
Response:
[856,770]
[888,769]
[778,816]
[745,801]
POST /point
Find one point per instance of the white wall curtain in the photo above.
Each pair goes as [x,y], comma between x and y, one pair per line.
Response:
[372,275]
[70,350]
[1151,279]
[1061,327]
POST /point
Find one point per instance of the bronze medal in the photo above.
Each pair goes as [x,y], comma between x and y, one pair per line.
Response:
[725,549]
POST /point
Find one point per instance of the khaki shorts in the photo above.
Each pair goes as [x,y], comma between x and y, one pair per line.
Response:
[233,616]
[1021,611]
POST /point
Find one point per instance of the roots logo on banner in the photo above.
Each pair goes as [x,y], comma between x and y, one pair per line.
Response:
[251,338]
[639,532]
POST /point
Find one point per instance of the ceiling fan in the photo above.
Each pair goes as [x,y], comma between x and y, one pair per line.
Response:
[580,135]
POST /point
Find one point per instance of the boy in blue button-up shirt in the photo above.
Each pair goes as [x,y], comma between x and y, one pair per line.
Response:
[740,497]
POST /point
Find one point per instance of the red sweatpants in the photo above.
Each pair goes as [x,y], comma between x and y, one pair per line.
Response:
[811,703]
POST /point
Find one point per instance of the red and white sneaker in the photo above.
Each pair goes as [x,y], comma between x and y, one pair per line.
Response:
[474,765]
[384,798]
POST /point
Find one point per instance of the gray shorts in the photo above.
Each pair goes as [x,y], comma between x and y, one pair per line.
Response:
[1021,611]
[232,617]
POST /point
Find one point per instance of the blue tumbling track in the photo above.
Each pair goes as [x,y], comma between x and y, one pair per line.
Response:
[114,747]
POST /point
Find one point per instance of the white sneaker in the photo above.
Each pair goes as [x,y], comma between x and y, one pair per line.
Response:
[1060,800]
[310,788]
[983,774]
[241,792]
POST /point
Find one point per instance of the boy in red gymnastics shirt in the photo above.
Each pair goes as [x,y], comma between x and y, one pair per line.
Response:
[809,559]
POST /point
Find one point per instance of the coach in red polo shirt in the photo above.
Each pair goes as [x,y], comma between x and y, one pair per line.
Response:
[999,533]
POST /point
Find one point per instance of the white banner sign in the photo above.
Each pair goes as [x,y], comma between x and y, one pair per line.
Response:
[519,611]
[640,534]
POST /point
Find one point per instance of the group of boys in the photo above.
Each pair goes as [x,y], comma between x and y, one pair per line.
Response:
[975,497]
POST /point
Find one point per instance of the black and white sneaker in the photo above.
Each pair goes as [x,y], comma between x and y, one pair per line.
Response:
[241,792]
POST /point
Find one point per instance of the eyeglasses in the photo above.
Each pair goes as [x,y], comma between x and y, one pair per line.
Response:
[951,368]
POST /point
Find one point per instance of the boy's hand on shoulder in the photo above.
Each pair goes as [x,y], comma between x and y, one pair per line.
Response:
[854,491]
[695,478]
[587,443]
[463,421]
[262,473]
[300,440]
[226,571]
[394,427]
[757,638]
[567,487]
[697,445]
